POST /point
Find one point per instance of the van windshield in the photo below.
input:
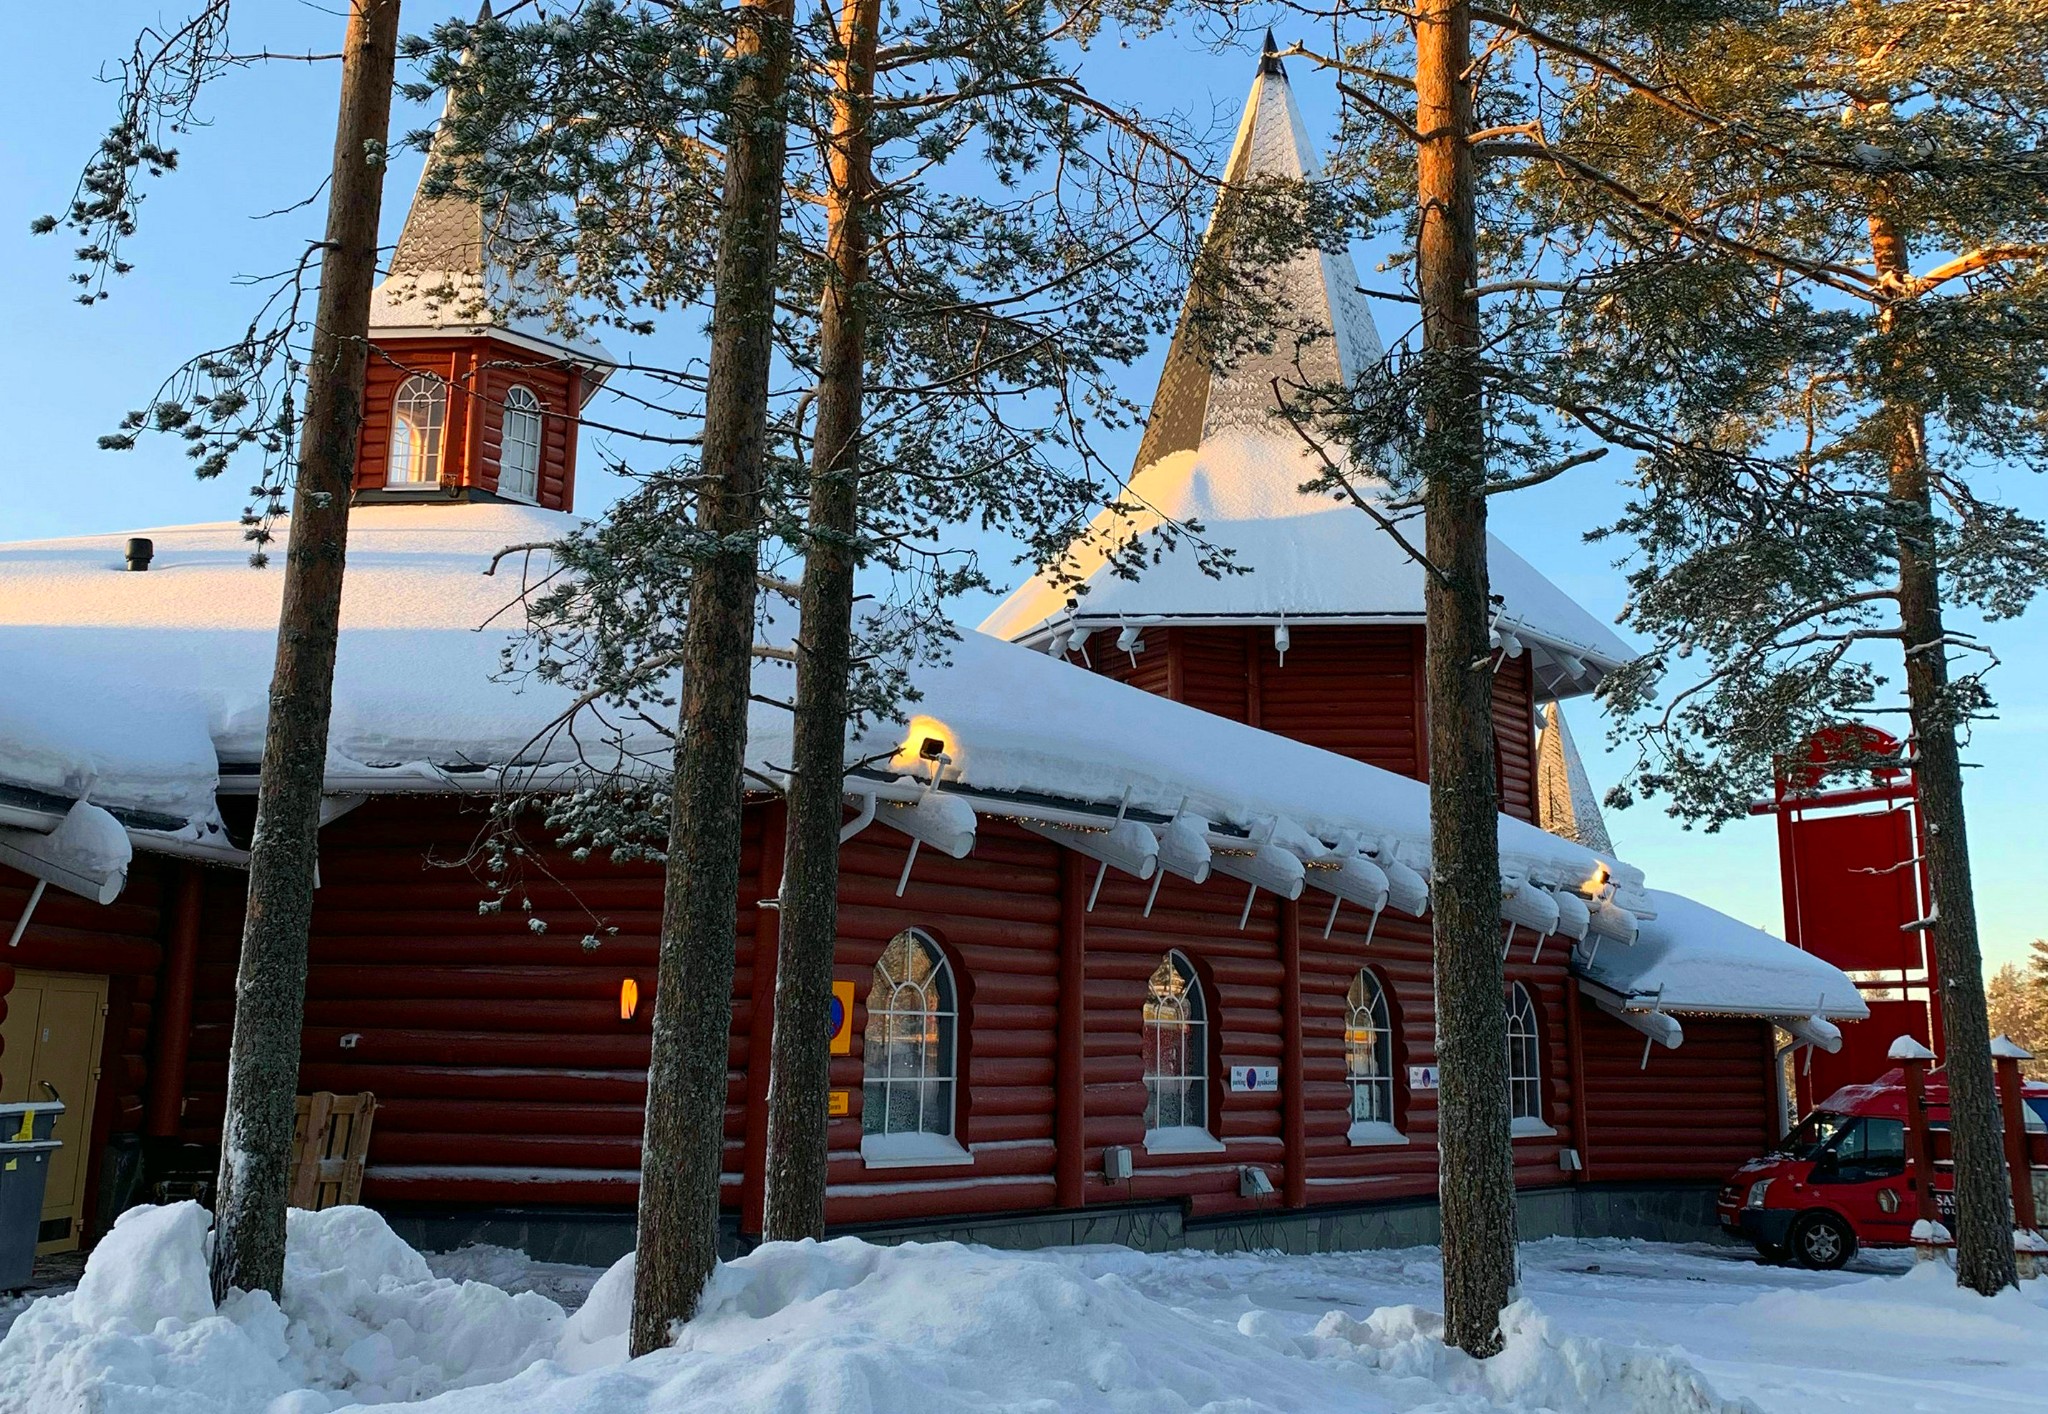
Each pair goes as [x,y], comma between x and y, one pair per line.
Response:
[1815,1132]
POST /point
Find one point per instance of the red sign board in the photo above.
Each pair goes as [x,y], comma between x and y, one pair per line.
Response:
[1853,888]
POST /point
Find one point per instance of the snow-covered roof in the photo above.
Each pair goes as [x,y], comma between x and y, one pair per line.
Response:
[142,691]
[135,687]
[1215,452]
[1691,958]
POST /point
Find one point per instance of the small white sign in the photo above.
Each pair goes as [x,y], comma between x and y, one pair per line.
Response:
[1248,1078]
[1422,1077]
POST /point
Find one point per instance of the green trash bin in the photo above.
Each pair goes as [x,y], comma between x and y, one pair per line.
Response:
[25,1153]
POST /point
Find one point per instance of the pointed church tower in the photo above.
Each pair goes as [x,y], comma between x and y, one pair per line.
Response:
[467,398]
[1320,636]
[1329,335]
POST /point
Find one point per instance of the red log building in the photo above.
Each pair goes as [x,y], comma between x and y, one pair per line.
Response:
[1133,928]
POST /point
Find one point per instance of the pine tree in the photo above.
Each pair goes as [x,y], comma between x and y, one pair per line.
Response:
[1834,316]
[952,382]
[221,403]
[683,1147]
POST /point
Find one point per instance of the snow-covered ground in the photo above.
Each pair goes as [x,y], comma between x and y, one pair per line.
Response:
[1604,1328]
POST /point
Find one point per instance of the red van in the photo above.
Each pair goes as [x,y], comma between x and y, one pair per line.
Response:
[1838,1181]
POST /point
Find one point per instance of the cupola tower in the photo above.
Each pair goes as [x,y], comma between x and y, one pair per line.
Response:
[469,394]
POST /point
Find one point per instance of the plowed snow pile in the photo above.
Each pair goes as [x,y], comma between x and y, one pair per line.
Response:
[837,1326]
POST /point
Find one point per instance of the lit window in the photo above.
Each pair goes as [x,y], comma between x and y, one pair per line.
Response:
[418,413]
[1176,1058]
[1369,1059]
[908,1052]
[1525,1062]
[519,454]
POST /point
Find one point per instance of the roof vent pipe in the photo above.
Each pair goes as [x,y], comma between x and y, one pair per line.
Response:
[141,549]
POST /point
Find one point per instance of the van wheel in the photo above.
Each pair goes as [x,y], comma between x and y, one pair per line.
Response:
[1772,1253]
[1822,1241]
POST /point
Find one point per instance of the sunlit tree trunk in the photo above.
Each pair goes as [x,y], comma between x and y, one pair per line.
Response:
[683,1148]
[270,979]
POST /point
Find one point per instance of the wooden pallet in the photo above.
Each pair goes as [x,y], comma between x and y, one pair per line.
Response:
[329,1142]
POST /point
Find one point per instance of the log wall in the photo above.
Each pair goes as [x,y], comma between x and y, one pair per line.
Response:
[1355,691]
[1696,1113]
[122,941]
[502,1068]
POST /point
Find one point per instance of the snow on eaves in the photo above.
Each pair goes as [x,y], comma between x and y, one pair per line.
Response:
[180,655]
[1691,958]
[1315,559]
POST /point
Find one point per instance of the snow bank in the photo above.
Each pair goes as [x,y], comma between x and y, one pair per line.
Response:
[845,1326]
[838,1327]
[363,1322]
[1540,1368]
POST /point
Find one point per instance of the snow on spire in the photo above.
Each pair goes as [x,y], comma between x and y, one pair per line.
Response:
[1317,294]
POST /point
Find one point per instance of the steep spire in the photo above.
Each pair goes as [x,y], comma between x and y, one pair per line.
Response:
[1318,295]
[1269,58]
[1565,803]
[453,265]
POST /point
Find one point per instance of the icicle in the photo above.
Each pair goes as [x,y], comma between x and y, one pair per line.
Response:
[1245,918]
[1101,873]
[1331,922]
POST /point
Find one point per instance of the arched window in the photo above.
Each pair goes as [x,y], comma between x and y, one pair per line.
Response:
[519,447]
[419,411]
[1369,1060]
[907,1086]
[1176,1058]
[1525,1063]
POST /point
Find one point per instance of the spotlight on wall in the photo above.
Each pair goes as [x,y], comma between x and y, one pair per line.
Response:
[1281,639]
[629,999]
[932,748]
[1131,639]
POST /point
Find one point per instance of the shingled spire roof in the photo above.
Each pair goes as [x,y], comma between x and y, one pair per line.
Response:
[1216,451]
[450,270]
[1565,803]
[1331,335]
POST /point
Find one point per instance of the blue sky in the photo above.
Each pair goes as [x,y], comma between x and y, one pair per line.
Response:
[70,373]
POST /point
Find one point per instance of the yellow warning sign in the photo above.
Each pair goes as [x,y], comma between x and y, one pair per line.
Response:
[837,1104]
[842,1026]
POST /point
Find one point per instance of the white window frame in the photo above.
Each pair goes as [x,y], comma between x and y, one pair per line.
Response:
[523,411]
[1525,1065]
[1371,1014]
[1192,1076]
[425,446]
[923,1146]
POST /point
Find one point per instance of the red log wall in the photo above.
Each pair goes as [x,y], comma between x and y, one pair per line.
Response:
[122,940]
[478,371]
[1696,1113]
[1355,691]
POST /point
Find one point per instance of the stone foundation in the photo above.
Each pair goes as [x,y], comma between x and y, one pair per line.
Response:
[598,1237]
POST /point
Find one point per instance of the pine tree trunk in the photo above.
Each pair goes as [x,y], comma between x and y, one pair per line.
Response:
[684,1143]
[270,980]
[1475,1150]
[801,1070]
[1983,1232]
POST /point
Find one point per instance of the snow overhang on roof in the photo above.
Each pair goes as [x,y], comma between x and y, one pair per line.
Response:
[1689,958]
[149,691]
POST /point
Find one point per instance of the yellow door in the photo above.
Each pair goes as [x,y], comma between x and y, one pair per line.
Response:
[55,1022]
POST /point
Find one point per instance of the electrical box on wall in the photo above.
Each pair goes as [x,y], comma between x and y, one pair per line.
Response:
[1116,1163]
[1253,1183]
[1568,1160]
